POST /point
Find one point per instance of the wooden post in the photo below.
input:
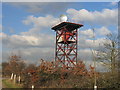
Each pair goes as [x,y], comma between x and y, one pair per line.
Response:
[19,78]
[11,76]
[32,87]
[95,87]
[15,78]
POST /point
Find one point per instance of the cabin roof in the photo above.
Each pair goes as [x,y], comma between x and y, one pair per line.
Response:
[68,25]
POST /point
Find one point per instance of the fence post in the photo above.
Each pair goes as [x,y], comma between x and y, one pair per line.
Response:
[19,79]
[32,87]
[95,87]
[15,78]
[11,76]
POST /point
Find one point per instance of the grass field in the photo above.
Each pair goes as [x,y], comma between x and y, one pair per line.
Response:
[9,84]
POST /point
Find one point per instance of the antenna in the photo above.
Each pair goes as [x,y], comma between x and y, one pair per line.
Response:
[94,60]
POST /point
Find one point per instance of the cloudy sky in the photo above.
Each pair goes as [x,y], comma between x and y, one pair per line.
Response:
[26,27]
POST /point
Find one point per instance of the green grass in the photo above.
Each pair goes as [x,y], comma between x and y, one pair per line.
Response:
[9,84]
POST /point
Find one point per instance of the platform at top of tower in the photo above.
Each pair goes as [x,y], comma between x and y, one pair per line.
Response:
[68,25]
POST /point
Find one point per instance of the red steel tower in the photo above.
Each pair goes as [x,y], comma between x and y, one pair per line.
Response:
[66,43]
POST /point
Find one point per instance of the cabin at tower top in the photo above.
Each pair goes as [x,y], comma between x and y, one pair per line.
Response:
[67,31]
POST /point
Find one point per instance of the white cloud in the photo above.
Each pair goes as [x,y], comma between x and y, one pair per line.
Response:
[86,39]
[89,43]
[104,17]
[103,31]
[31,54]
[32,48]
[2,35]
[23,41]
[87,33]
[39,23]
[31,40]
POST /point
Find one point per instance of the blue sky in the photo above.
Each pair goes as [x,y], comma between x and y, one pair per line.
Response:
[13,15]
[27,27]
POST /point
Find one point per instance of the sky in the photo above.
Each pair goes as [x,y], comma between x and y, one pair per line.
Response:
[26,27]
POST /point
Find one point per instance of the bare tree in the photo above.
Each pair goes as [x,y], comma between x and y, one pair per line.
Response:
[108,55]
